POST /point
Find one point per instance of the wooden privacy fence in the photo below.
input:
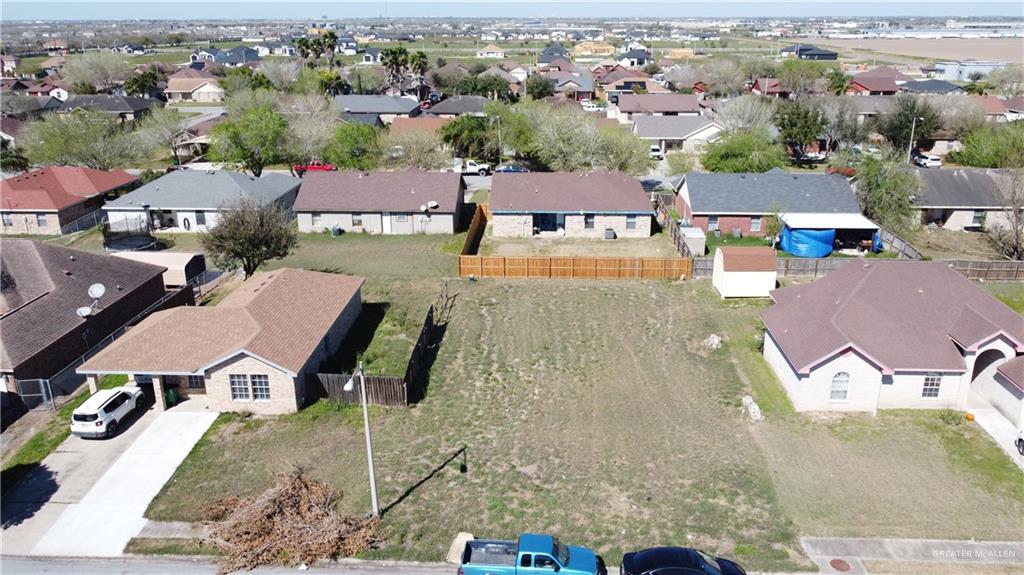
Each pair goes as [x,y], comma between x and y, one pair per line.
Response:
[899,245]
[380,389]
[1006,270]
[669,223]
[476,229]
[569,267]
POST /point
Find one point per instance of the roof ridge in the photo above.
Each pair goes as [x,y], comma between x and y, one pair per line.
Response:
[850,297]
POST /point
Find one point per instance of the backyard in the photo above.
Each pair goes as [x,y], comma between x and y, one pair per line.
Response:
[941,244]
[658,245]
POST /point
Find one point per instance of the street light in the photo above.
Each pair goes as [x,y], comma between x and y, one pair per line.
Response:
[910,144]
[349,385]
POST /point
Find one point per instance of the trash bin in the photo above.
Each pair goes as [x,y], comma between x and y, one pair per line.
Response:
[172,396]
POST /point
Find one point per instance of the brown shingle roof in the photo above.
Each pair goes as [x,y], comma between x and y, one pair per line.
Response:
[57,187]
[1013,371]
[403,191]
[876,83]
[429,124]
[904,316]
[279,316]
[748,259]
[591,192]
[993,106]
[664,103]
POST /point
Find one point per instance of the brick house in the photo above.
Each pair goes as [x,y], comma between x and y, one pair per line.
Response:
[576,204]
[631,106]
[250,352]
[48,200]
[403,202]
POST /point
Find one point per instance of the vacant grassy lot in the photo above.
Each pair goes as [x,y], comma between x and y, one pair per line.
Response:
[941,244]
[657,246]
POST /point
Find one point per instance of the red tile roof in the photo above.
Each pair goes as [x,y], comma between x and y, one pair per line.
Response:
[748,259]
[58,187]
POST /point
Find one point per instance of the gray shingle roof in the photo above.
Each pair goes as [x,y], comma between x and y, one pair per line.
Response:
[669,127]
[958,188]
[752,193]
[460,105]
[108,103]
[374,104]
[205,190]
[931,86]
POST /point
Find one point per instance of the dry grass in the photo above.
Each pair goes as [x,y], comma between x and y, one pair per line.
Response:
[657,246]
[999,49]
[941,244]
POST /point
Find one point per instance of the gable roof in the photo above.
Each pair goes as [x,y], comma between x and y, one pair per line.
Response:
[108,103]
[1014,104]
[753,193]
[747,258]
[768,86]
[58,187]
[871,105]
[958,188]
[43,284]
[591,192]
[635,55]
[280,317]
[375,104]
[1013,371]
[211,190]
[430,124]
[669,127]
[901,315]
[498,72]
[993,106]
[491,48]
[402,191]
[884,72]
[659,103]
[183,84]
[460,105]
[10,126]
[930,86]
[875,83]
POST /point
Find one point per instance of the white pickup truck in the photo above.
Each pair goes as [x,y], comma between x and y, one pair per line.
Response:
[471,167]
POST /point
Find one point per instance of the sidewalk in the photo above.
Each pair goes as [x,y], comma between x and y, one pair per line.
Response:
[996,425]
[922,550]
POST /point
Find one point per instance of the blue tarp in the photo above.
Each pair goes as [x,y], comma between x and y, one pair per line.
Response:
[876,243]
[807,243]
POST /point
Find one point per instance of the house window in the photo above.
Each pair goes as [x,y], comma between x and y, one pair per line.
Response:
[588,221]
[357,220]
[401,217]
[41,220]
[840,386]
[755,224]
[712,223]
[239,387]
[196,382]
[260,387]
[8,220]
[317,219]
[631,222]
[978,219]
[932,381]
[200,218]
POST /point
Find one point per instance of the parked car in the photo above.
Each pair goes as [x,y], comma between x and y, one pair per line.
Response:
[103,412]
[657,153]
[510,169]
[471,167]
[867,150]
[314,166]
[925,160]
[531,554]
[589,106]
[676,561]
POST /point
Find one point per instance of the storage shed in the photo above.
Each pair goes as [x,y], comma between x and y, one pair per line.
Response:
[181,266]
[744,271]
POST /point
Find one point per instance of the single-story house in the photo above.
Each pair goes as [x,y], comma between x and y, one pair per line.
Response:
[41,331]
[459,106]
[995,109]
[129,49]
[769,87]
[872,85]
[193,90]
[636,58]
[931,86]
[671,133]
[808,52]
[890,334]
[499,72]
[744,271]
[574,204]
[429,124]
[371,56]
[574,85]
[725,203]
[252,352]
[386,107]
[1014,108]
[631,106]
[961,199]
[869,107]
[9,64]
[232,58]
[402,202]
[194,140]
[9,128]
[491,51]
[613,86]
[49,201]
[192,200]
[125,108]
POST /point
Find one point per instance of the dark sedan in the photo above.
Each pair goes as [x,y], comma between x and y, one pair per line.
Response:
[676,561]
[510,169]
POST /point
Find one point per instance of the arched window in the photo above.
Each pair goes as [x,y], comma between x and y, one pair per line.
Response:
[840,386]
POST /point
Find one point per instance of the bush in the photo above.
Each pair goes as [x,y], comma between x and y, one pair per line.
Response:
[992,146]
[744,151]
[950,417]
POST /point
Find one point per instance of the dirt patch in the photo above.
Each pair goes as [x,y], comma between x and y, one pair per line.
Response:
[657,246]
[941,244]
[999,49]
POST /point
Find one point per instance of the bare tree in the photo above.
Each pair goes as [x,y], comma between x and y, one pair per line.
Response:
[725,77]
[746,112]
[959,115]
[1008,81]
[281,73]
[311,124]
[415,149]
[161,128]
[241,102]
[1007,234]
[842,128]
[103,70]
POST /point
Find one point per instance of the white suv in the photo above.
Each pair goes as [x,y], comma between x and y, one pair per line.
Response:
[927,160]
[101,414]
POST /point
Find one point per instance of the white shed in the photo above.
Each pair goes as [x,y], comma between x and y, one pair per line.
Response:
[182,267]
[744,271]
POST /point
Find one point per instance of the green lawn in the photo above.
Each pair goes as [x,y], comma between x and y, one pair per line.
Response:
[1010,293]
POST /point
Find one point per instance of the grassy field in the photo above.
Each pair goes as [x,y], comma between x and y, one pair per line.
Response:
[1010,293]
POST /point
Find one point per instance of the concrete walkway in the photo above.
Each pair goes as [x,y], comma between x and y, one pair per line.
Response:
[110,514]
[926,550]
[995,424]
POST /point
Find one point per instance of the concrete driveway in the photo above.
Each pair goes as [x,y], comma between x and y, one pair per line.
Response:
[1001,429]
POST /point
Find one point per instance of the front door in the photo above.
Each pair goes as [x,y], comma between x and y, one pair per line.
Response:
[385,222]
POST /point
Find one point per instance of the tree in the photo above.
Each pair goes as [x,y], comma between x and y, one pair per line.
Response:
[471,137]
[680,163]
[419,65]
[744,151]
[838,82]
[89,139]
[366,79]
[253,140]
[622,151]
[142,84]
[885,188]
[799,76]
[395,60]
[245,100]
[415,149]
[959,115]
[724,77]
[330,44]
[249,234]
[103,70]
[281,74]
[1007,81]
[331,84]
[842,128]
[652,69]
[354,147]
[302,47]
[539,86]
[772,224]
[896,126]
[488,86]
[161,128]
[799,125]
[992,146]
[746,112]
[13,160]
[311,126]
[758,68]
[244,78]
[1008,234]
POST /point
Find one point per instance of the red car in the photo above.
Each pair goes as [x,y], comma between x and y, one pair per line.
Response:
[315,166]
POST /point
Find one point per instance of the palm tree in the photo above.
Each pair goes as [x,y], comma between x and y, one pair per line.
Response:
[302,46]
[395,61]
[330,42]
[419,65]
[316,46]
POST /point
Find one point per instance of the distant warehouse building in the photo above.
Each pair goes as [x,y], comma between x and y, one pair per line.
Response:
[961,70]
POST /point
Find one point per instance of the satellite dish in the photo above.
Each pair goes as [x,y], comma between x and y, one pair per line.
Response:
[96,291]
[84,311]
[423,208]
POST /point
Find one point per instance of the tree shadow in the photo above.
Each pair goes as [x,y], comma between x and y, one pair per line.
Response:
[463,468]
[358,339]
[26,488]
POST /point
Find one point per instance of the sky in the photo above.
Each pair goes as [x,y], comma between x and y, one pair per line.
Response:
[284,9]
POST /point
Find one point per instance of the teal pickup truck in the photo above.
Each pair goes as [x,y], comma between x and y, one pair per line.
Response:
[531,555]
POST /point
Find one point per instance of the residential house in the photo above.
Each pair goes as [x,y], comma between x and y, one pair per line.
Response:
[995,109]
[872,86]
[125,108]
[573,86]
[573,204]
[491,51]
[808,52]
[48,88]
[769,87]
[677,133]
[869,107]
[456,106]
[371,56]
[129,49]
[552,52]
[254,351]
[631,106]
[9,128]
[737,204]
[636,59]
[892,335]
[192,200]
[560,65]
[386,107]
[499,72]
[368,119]
[1014,108]
[402,202]
[424,124]
[962,70]
[931,86]
[232,58]
[44,285]
[50,201]
[194,141]
[591,49]
[27,107]
[9,64]
[193,88]
[52,66]
[615,84]
[884,72]
[56,47]
[346,46]
[962,198]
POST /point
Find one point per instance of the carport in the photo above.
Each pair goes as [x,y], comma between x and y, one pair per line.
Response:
[1004,389]
[818,234]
